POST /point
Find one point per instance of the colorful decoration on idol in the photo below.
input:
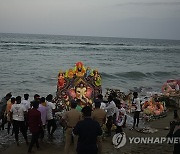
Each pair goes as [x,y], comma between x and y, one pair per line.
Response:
[79,83]
[79,69]
[61,80]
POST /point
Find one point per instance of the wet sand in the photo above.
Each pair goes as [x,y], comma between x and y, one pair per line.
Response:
[108,148]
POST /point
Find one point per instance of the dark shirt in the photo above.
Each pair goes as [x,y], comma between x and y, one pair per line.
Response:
[175,134]
[176,146]
[87,130]
[34,120]
[3,104]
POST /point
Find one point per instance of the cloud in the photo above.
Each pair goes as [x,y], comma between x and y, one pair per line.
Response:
[149,4]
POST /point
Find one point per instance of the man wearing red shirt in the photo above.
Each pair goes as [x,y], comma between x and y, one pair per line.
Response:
[35,124]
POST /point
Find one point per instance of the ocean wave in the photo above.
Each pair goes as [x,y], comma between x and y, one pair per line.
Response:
[105,44]
[108,76]
[162,73]
[140,75]
[132,74]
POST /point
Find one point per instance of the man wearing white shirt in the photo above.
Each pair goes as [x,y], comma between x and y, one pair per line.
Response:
[111,109]
[137,104]
[51,122]
[26,102]
[18,112]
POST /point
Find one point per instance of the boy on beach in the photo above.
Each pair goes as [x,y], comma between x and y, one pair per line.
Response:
[136,102]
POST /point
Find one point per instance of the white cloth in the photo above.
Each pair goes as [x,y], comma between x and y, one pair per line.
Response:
[177,87]
[103,105]
[137,104]
[26,103]
[50,108]
[18,112]
[111,108]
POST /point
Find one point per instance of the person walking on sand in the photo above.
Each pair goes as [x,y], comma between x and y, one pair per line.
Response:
[35,124]
[18,112]
[87,130]
[71,118]
[99,115]
[51,126]
[26,104]
[136,102]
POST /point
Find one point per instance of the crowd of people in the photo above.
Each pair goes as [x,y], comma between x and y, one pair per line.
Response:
[25,115]
[37,115]
[83,126]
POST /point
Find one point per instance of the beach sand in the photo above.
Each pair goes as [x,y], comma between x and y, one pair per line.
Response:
[108,148]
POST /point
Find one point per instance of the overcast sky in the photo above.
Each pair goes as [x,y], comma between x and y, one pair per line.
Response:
[118,18]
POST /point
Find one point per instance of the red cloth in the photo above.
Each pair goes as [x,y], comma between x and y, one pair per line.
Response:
[34,120]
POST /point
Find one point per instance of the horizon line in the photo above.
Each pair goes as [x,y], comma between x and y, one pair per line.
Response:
[89,36]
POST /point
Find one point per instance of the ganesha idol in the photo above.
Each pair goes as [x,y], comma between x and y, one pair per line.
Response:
[152,108]
[79,83]
[83,93]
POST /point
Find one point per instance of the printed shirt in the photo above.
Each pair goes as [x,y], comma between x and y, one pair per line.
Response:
[120,116]
[18,112]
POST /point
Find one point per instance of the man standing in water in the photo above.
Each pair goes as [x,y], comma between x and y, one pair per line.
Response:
[51,126]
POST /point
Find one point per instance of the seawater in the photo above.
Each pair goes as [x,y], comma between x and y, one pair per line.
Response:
[30,63]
